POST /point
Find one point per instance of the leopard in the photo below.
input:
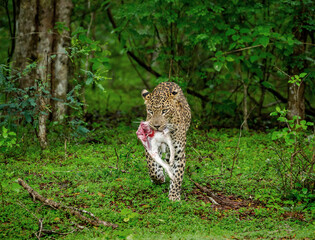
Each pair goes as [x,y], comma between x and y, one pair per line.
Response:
[167,108]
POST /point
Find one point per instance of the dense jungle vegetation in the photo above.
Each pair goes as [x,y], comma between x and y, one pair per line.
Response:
[71,75]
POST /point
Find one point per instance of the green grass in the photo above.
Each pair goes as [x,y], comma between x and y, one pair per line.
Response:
[86,178]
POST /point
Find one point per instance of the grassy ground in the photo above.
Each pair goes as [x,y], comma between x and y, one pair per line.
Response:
[110,179]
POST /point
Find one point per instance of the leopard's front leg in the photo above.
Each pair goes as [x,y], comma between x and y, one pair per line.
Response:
[178,170]
[155,170]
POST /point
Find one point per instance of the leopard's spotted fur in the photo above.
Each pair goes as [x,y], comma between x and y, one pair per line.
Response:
[167,107]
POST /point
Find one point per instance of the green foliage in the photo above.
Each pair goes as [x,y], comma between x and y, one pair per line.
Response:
[296,79]
[7,141]
[217,47]
[296,169]
[20,104]
[86,54]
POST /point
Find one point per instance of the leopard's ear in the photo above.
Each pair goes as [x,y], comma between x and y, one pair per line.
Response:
[145,94]
[174,92]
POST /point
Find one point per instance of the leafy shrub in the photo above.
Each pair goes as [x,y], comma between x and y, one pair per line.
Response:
[296,169]
[7,141]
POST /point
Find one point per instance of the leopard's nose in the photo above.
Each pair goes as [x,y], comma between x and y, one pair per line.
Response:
[157,127]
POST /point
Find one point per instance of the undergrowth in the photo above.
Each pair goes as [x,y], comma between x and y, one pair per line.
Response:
[110,179]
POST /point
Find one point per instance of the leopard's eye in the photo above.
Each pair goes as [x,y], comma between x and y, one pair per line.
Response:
[164,111]
[150,111]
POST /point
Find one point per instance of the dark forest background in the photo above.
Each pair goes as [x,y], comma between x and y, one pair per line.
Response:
[233,59]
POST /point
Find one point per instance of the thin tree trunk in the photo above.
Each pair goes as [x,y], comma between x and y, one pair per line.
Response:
[26,40]
[296,99]
[245,107]
[43,70]
[60,69]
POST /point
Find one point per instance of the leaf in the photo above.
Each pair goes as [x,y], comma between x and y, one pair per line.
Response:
[89,80]
[304,190]
[229,59]
[282,119]
[82,130]
[264,41]
[218,53]
[125,211]
[100,194]
[253,58]
[244,30]
[32,102]
[4,129]
[100,86]
[302,75]
[78,30]
[230,31]
[267,85]
[235,37]
[247,39]
[217,66]
[278,109]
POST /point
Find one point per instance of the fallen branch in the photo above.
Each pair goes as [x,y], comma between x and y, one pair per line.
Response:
[213,198]
[74,211]
[213,201]
[220,201]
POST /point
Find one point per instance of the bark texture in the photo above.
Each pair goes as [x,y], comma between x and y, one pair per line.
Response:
[296,98]
[37,41]
[60,68]
[43,71]
[25,50]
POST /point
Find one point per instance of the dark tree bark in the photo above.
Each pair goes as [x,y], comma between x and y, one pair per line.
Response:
[36,42]
[25,50]
[296,98]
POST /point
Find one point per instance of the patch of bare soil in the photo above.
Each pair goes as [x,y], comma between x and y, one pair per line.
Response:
[221,201]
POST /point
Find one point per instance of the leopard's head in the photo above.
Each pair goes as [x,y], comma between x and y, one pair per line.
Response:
[161,105]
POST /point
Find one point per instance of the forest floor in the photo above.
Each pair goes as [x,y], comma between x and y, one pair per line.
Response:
[106,174]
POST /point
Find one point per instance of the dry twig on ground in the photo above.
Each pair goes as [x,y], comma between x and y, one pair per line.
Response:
[74,211]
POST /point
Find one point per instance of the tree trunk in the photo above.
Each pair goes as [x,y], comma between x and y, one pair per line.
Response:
[296,99]
[26,40]
[60,69]
[43,71]
[36,42]
[245,107]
